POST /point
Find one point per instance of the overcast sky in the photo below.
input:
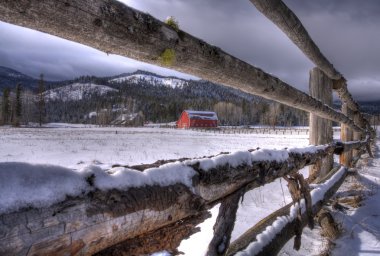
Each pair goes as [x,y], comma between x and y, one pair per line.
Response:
[347,32]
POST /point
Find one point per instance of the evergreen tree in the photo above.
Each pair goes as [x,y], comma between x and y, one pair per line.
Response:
[6,106]
[41,101]
[18,106]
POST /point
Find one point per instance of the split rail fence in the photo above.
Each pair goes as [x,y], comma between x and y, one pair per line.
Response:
[152,218]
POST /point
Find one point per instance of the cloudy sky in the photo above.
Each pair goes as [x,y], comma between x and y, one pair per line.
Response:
[347,32]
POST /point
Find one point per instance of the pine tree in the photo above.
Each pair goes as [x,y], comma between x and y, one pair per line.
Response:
[41,101]
[6,106]
[18,106]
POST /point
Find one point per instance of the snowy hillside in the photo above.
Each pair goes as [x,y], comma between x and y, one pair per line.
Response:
[154,80]
[77,91]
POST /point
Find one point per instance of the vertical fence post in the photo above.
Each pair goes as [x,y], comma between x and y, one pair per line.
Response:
[357,135]
[346,134]
[321,131]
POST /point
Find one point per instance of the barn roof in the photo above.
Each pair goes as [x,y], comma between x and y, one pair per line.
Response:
[205,115]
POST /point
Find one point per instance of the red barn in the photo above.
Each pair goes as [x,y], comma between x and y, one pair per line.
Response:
[191,118]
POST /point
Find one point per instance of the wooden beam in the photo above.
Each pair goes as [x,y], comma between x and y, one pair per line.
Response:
[288,22]
[287,232]
[321,131]
[284,18]
[224,224]
[114,28]
[346,134]
[100,219]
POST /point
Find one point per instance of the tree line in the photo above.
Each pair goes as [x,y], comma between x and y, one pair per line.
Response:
[154,102]
[22,106]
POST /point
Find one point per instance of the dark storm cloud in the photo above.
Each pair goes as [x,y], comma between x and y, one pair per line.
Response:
[346,32]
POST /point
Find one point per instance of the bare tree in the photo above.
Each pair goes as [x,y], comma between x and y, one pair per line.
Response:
[41,106]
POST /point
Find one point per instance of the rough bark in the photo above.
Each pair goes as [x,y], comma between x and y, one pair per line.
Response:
[321,131]
[113,27]
[357,135]
[328,225]
[346,134]
[288,22]
[168,238]
[224,225]
[287,231]
[101,219]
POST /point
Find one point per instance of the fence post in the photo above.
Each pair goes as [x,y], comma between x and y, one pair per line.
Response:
[346,134]
[357,135]
[321,131]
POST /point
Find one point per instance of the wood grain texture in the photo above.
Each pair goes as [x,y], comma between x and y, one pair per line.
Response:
[346,134]
[287,231]
[284,18]
[102,219]
[114,28]
[320,129]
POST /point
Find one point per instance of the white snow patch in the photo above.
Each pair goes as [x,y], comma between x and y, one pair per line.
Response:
[77,91]
[154,80]
[309,149]
[271,231]
[26,185]
[240,158]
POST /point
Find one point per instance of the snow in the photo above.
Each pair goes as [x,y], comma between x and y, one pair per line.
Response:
[309,149]
[241,158]
[154,80]
[92,114]
[77,91]
[72,152]
[271,231]
[26,185]
[206,115]
[361,225]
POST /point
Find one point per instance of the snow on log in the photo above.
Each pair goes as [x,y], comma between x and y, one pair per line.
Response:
[269,235]
[112,27]
[53,210]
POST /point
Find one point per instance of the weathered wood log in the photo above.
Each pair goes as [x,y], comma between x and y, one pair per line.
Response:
[100,219]
[224,224]
[320,132]
[287,232]
[167,238]
[288,22]
[328,225]
[346,134]
[357,135]
[113,27]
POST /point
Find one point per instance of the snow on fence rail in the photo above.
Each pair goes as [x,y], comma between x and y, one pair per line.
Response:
[159,212]
[130,204]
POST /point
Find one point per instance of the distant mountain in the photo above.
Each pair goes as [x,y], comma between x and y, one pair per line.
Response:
[156,98]
[10,78]
[370,107]
[153,79]
[77,91]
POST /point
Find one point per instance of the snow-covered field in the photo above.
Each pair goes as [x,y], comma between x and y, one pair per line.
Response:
[76,146]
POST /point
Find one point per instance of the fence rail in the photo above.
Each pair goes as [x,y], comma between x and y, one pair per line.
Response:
[149,215]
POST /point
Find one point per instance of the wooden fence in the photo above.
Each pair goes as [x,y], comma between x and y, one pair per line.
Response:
[146,219]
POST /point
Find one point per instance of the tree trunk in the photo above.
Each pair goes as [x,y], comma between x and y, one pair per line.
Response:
[113,27]
[346,134]
[321,131]
[287,232]
[288,22]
